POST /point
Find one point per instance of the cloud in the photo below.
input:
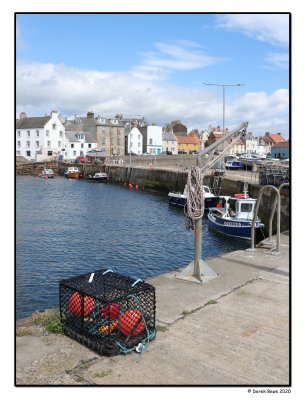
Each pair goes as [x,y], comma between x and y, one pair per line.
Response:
[172,56]
[277,60]
[41,88]
[271,28]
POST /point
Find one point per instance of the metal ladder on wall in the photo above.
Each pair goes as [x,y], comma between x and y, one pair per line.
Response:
[268,243]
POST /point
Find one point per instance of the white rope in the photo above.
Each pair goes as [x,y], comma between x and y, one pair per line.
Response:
[195,194]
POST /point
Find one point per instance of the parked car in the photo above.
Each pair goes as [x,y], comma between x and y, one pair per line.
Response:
[193,152]
[181,152]
[167,152]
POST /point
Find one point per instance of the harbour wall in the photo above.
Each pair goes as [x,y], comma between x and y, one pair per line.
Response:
[164,180]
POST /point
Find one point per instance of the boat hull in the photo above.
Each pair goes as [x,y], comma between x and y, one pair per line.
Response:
[73,175]
[231,227]
[180,200]
[97,179]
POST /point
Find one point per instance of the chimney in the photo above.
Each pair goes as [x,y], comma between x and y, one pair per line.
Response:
[90,114]
[23,115]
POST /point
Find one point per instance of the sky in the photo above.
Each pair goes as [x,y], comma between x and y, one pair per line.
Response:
[156,66]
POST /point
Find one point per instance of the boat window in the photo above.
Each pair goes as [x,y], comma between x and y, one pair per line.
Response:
[206,189]
[246,207]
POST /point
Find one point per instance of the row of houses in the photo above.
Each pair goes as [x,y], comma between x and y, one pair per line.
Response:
[51,137]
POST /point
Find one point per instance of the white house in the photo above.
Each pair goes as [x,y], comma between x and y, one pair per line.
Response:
[169,142]
[40,138]
[152,138]
[78,144]
[250,143]
[135,141]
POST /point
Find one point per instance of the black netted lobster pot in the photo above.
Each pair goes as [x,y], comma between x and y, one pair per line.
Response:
[108,312]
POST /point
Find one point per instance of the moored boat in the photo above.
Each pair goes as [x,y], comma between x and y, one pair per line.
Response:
[47,173]
[72,173]
[98,177]
[235,217]
[179,199]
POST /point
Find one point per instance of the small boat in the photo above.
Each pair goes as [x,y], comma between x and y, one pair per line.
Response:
[73,173]
[235,216]
[179,199]
[98,177]
[233,163]
[249,160]
[47,173]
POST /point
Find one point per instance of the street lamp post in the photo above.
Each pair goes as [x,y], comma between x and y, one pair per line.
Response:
[223,85]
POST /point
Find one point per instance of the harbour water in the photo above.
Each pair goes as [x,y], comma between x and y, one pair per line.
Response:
[68,227]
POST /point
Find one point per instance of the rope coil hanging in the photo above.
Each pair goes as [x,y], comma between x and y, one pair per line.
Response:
[195,194]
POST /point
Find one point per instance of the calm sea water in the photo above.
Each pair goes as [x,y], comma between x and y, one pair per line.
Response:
[67,227]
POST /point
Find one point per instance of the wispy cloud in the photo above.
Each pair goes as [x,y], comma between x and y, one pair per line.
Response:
[171,56]
[277,60]
[271,28]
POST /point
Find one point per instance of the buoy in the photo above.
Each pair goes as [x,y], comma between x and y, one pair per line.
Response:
[218,205]
[130,323]
[109,328]
[75,304]
[136,187]
[130,186]
[112,310]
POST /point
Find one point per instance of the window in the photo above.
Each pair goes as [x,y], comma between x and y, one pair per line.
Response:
[61,134]
[89,145]
[37,133]
[27,144]
[244,207]
[139,144]
[50,153]
[48,143]
[18,134]
[53,126]
[59,145]
[82,145]
[18,153]
[28,133]
[37,144]
[72,145]
[139,137]
[28,153]
[18,144]
[150,141]
[131,144]
[47,133]
[74,152]
[103,141]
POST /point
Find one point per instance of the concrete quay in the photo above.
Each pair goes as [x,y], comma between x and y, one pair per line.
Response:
[232,330]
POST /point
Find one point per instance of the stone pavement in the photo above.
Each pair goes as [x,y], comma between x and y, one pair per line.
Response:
[232,330]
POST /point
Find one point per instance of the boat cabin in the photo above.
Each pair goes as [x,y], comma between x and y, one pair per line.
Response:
[240,208]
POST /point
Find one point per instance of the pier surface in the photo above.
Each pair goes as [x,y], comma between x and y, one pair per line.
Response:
[233,330]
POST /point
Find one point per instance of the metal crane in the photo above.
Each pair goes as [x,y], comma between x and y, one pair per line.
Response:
[198,269]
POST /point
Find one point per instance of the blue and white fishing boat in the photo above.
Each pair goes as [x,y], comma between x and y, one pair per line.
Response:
[179,199]
[235,217]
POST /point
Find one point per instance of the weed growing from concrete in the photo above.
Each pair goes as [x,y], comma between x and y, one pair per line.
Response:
[49,320]
[161,328]
[102,374]
[211,302]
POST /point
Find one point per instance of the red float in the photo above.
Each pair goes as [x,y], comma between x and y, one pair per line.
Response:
[75,304]
[130,323]
[112,310]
